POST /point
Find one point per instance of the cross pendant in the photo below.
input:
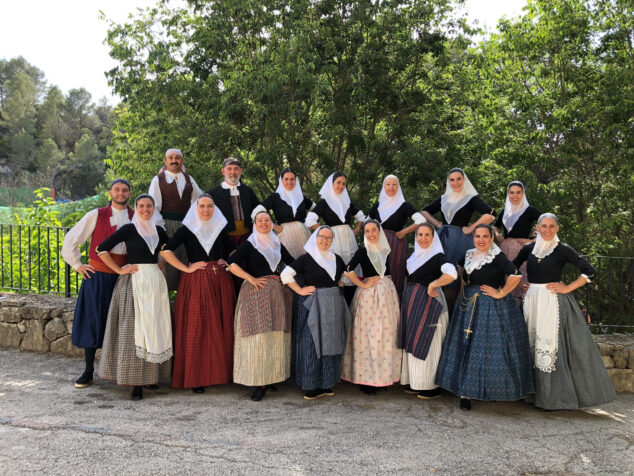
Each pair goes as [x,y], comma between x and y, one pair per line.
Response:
[213,268]
[467,332]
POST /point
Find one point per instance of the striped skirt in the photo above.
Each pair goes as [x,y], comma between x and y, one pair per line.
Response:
[486,354]
[511,247]
[119,361]
[397,260]
[263,358]
[419,373]
[312,372]
[579,379]
[203,328]
[372,355]
[294,236]
[91,310]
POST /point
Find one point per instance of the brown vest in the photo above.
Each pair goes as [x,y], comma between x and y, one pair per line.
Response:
[175,207]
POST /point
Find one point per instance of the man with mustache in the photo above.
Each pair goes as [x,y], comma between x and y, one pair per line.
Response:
[173,191]
[91,310]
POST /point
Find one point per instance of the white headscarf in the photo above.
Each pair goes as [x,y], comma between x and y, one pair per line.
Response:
[147,228]
[377,252]
[513,212]
[451,202]
[268,245]
[338,203]
[421,255]
[205,230]
[388,205]
[475,259]
[294,198]
[326,259]
[542,247]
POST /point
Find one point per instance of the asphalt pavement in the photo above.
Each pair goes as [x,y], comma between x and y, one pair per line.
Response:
[47,426]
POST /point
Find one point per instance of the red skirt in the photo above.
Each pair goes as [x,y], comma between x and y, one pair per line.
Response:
[203,328]
[397,260]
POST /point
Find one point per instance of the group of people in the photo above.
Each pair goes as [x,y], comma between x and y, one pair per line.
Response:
[279,289]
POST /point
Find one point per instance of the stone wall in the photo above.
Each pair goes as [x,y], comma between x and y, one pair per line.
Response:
[39,323]
[43,323]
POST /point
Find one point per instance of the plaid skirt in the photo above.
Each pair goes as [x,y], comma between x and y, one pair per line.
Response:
[119,361]
[294,236]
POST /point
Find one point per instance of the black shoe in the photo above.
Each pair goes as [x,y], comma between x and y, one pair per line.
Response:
[137,393]
[152,387]
[198,389]
[427,394]
[84,381]
[318,392]
[408,389]
[465,403]
[367,389]
[258,394]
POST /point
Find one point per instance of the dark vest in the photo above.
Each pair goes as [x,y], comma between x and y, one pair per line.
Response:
[175,207]
[103,229]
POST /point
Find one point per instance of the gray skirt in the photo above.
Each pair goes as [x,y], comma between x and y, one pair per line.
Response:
[579,379]
[119,361]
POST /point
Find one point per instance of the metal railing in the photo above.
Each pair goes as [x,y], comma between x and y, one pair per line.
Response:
[31,261]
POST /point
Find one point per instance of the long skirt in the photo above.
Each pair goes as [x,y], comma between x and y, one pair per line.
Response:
[344,244]
[579,379]
[172,275]
[397,260]
[486,354]
[420,373]
[119,361]
[294,236]
[91,310]
[263,357]
[311,371]
[372,355]
[203,328]
[511,247]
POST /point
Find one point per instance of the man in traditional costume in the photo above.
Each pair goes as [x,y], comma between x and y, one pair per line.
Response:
[91,311]
[173,191]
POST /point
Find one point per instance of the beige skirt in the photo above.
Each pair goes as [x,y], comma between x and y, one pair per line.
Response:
[261,359]
[294,236]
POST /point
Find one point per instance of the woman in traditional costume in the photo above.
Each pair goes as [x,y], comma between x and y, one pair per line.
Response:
[337,212]
[322,320]
[393,212]
[290,207]
[372,358]
[203,310]
[424,314]
[457,205]
[486,354]
[569,372]
[137,347]
[262,353]
[517,224]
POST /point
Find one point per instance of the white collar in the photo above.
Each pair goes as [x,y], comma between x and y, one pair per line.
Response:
[233,189]
[474,259]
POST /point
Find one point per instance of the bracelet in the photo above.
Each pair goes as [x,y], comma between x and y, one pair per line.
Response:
[502,292]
